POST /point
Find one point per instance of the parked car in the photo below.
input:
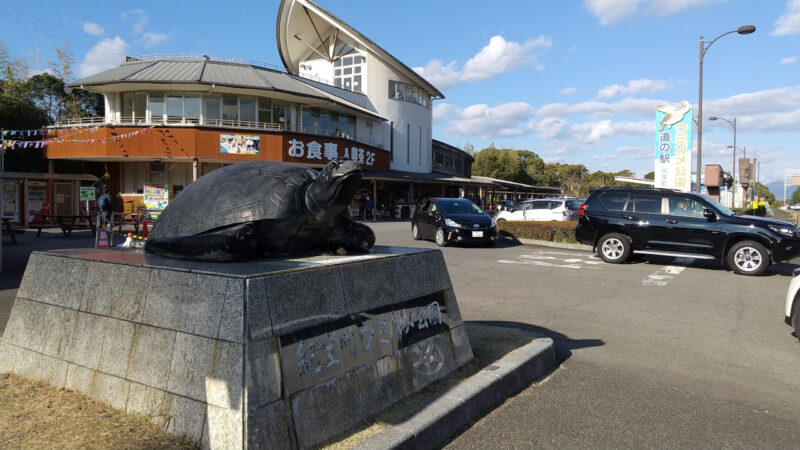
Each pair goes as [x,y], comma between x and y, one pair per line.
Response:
[503,205]
[573,205]
[793,303]
[650,221]
[452,220]
[540,209]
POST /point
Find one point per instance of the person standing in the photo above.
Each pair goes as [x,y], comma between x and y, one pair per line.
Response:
[368,204]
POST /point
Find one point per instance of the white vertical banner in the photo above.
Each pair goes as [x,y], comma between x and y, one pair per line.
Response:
[673,147]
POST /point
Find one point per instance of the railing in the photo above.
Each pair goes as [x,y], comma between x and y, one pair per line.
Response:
[233,124]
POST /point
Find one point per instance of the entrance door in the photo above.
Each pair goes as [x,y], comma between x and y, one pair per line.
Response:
[63,202]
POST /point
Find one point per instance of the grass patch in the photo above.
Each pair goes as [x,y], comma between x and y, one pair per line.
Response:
[37,415]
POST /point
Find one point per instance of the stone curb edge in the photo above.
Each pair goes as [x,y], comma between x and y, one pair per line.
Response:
[583,247]
[452,413]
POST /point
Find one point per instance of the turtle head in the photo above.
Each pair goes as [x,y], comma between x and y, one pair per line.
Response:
[333,189]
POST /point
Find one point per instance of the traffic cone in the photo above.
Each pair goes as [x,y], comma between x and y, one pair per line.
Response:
[128,241]
[144,229]
[102,240]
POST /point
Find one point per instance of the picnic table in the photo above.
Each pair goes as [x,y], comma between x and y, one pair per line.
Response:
[8,230]
[67,222]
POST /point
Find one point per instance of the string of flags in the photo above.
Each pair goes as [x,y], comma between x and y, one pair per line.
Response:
[14,139]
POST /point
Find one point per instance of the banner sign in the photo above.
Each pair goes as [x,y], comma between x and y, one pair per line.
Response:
[239,144]
[322,152]
[673,155]
[88,194]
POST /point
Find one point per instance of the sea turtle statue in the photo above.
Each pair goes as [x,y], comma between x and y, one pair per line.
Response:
[262,209]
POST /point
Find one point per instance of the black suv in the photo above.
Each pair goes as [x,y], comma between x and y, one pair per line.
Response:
[651,221]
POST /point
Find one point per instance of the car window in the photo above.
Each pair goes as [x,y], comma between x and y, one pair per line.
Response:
[682,206]
[460,206]
[647,204]
[540,205]
[425,205]
[614,201]
[573,204]
[432,207]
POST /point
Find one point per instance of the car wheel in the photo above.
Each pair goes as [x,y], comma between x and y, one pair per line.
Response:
[614,248]
[748,258]
[415,232]
[440,240]
[796,316]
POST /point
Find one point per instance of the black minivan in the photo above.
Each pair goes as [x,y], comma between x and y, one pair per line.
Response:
[619,221]
[452,220]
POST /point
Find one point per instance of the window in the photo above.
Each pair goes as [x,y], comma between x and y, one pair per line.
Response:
[191,106]
[406,92]
[157,106]
[264,110]
[127,107]
[647,204]
[175,105]
[247,109]
[614,201]
[346,67]
[682,206]
[213,108]
[230,110]
[541,205]
[140,106]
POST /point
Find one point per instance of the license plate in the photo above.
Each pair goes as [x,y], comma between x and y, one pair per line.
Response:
[477,234]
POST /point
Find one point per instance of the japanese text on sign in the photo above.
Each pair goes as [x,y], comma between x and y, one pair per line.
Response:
[329,150]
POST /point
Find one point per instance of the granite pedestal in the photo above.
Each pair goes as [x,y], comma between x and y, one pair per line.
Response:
[274,353]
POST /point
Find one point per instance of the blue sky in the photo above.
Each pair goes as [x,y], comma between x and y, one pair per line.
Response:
[574,81]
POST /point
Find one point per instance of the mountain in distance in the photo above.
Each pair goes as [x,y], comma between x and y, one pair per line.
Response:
[776,187]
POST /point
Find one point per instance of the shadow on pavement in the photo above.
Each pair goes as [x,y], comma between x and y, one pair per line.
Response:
[563,344]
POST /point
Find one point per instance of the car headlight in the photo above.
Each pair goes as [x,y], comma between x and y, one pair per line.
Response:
[451,223]
[784,230]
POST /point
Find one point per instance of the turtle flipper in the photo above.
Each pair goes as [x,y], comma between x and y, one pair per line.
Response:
[351,236]
[235,243]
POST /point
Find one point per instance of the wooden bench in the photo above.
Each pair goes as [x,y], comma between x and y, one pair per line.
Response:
[67,223]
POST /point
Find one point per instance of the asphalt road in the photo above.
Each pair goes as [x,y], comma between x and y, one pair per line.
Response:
[659,352]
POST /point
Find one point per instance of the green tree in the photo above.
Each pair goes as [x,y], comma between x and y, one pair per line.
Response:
[795,198]
[650,176]
[503,164]
[763,191]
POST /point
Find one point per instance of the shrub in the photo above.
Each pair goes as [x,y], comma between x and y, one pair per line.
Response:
[563,232]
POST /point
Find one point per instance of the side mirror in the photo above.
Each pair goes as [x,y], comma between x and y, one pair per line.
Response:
[709,215]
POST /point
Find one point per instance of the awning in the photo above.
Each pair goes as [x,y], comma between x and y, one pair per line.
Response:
[49,176]
[415,177]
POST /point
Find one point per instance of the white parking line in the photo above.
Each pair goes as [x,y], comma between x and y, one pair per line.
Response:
[666,273]
[554,259]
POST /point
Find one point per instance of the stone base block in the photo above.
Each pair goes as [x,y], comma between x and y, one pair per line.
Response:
[274,353]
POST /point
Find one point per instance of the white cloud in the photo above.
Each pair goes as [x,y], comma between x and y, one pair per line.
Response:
[498,56]
[104,55]
[788,22]
[138,17]
[760,102]
[151,39]
[789,60]
[485,122]
[569,53]
[595,131]
[612,11]
[633,87]
[93,29]
[627,152]
[628,105]
[568,91]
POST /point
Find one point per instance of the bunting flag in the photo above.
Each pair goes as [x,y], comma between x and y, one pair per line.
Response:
[6,144]
[23,133]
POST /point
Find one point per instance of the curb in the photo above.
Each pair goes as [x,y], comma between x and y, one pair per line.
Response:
[583,247]
[452,413]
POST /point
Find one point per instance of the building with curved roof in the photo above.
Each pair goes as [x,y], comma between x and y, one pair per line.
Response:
[170,119]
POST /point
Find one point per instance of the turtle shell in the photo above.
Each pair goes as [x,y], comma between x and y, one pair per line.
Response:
[238,193]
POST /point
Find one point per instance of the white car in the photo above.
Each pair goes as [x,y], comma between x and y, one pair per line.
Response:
[540,209]
[793,303]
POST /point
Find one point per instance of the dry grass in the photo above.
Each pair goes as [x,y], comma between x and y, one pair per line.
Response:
[36,415]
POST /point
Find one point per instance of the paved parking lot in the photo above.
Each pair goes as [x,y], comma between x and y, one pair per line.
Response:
[659,352]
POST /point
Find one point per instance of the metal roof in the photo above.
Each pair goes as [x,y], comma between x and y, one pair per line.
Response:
[208,72]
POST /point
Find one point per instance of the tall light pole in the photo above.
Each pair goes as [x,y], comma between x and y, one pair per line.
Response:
[744,29]
[733,167]
[744,155]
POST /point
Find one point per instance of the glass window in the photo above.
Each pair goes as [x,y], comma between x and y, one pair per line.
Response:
[140,106]
[213,107]
[337,63]
[264,110]
[541,205]
[191,106]
[614,201]
[337,72]
[157,105]
[682,206]
[647,204]
[230,110]
[357,69]
[347,61]
[247,109]
[175,104]
[348,71]
[127,106]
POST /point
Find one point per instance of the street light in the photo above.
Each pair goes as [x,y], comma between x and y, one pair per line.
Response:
[744,29]
[733,167]
[744,155]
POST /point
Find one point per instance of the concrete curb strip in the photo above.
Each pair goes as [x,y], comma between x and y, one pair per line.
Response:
[583,247]
[455,411]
